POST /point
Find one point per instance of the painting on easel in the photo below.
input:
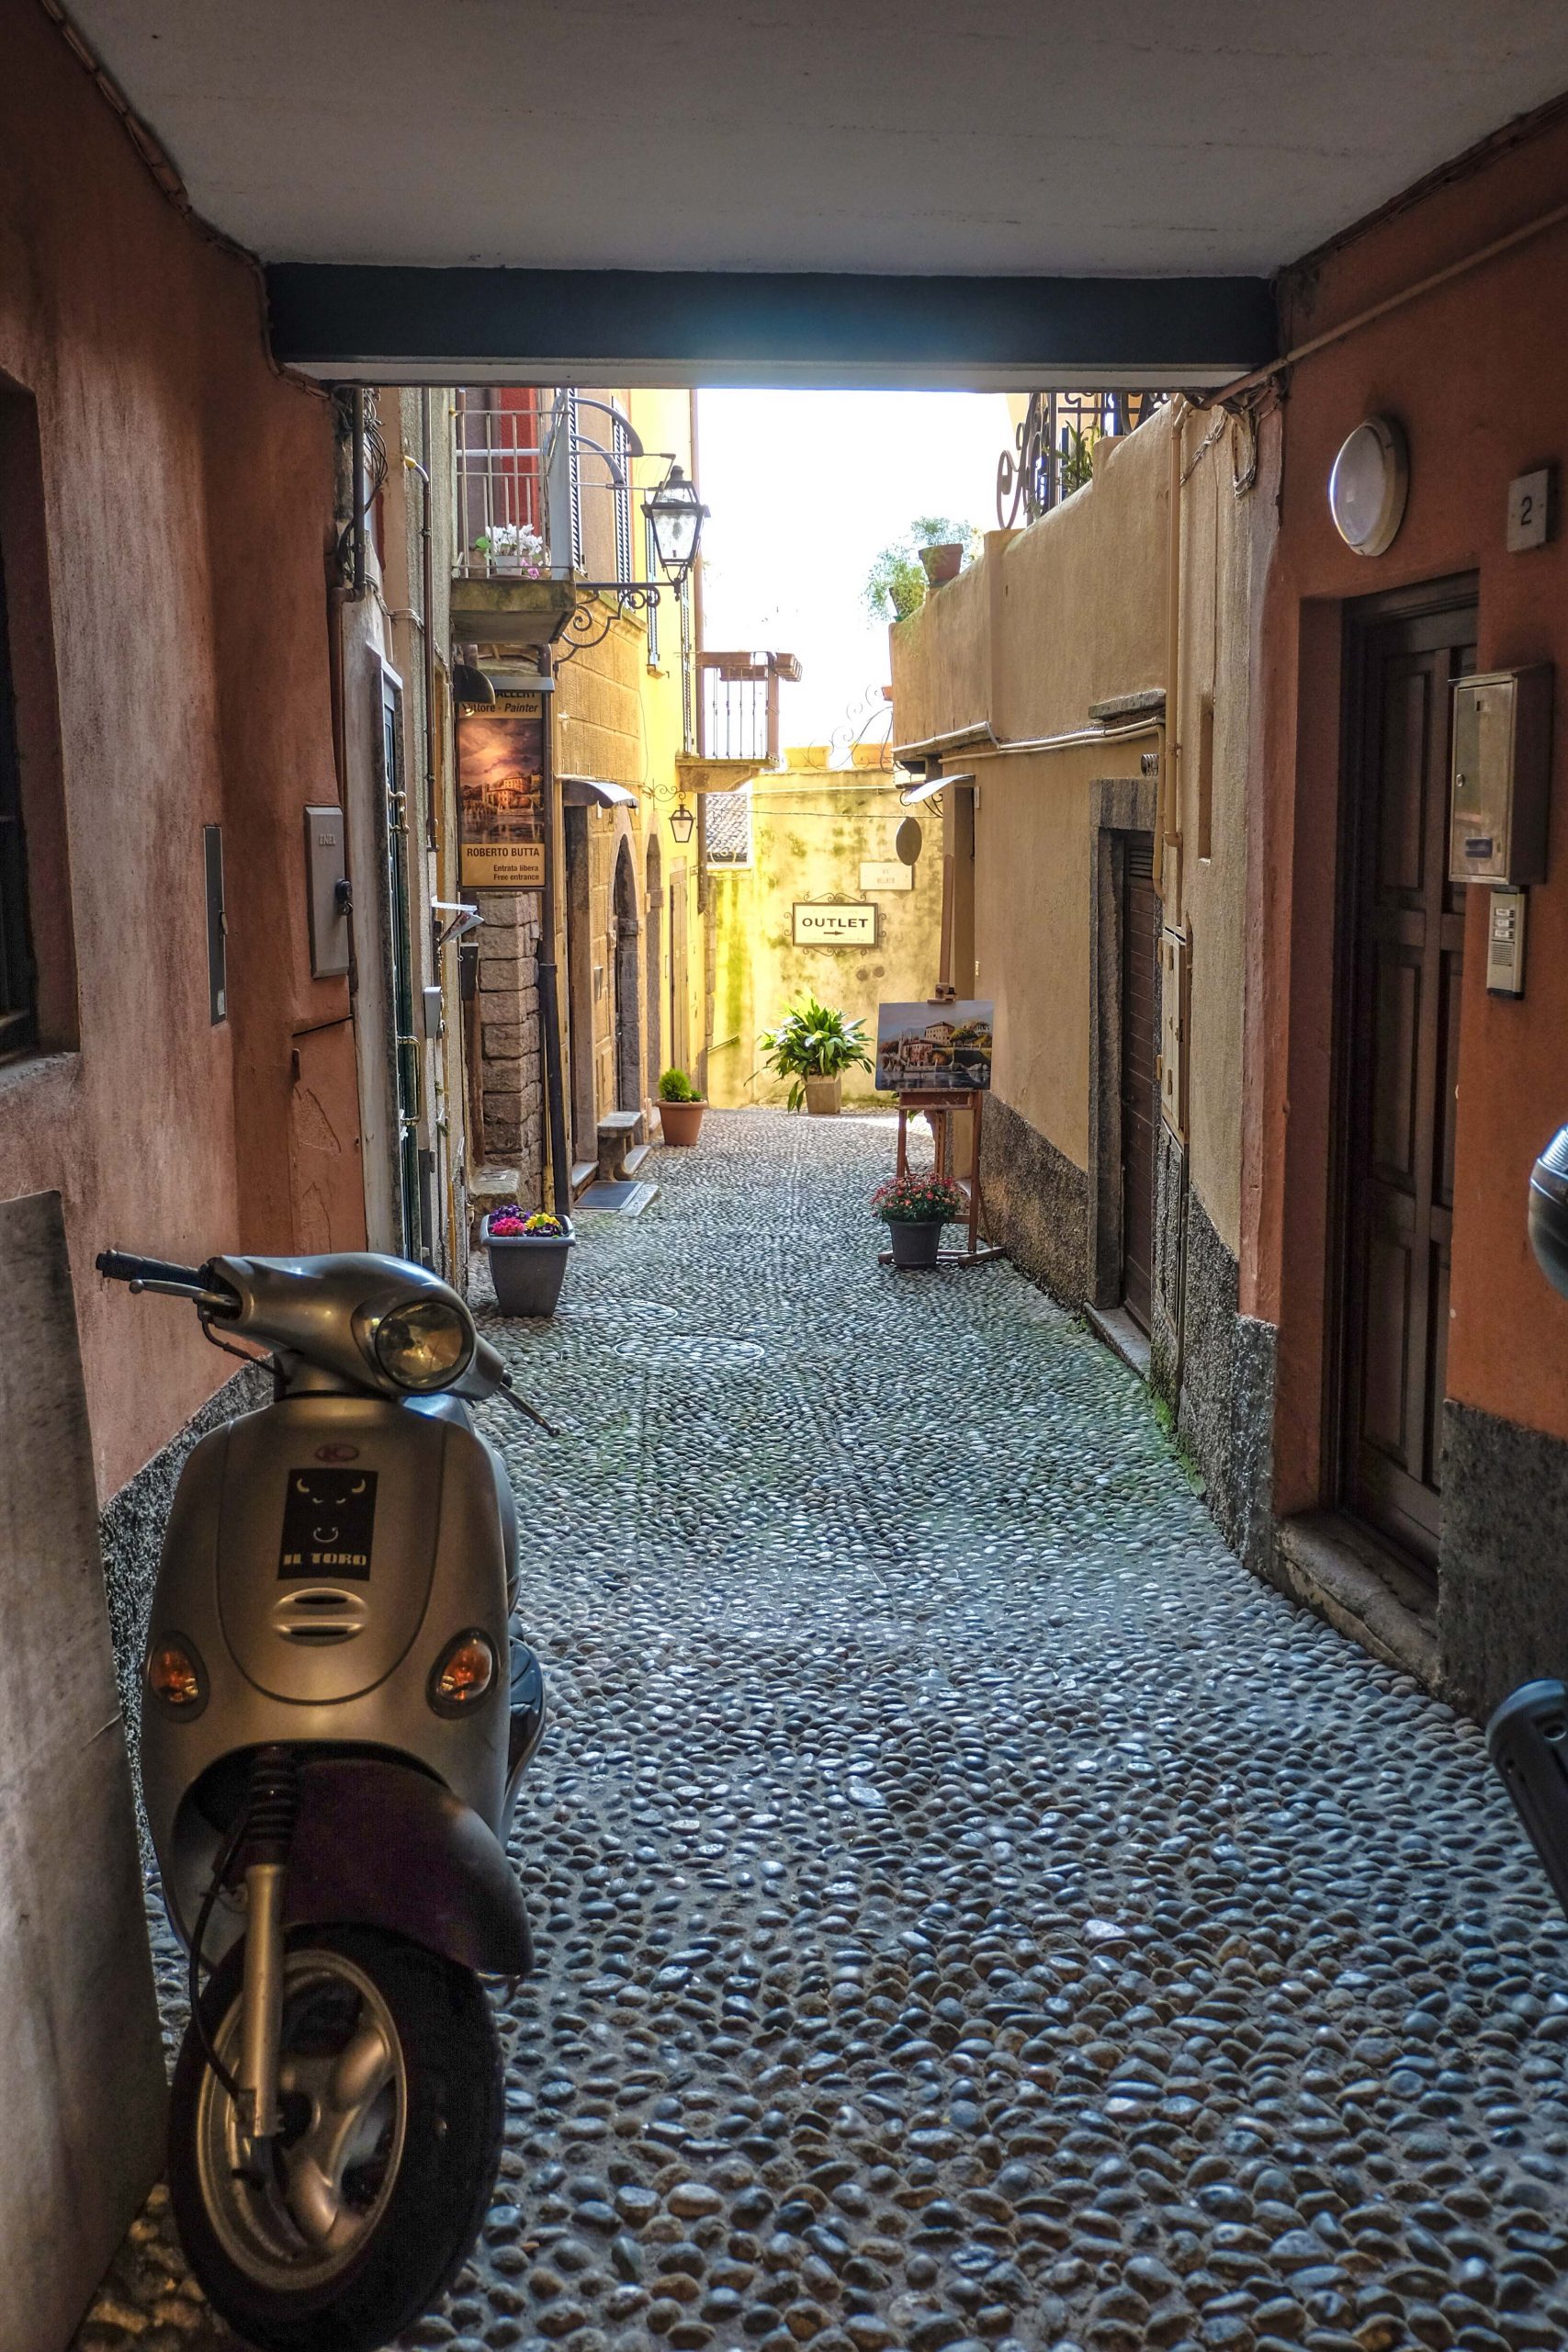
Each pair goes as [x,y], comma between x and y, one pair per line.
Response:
[935,1046]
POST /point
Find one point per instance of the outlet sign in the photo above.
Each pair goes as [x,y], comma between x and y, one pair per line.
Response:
[828,925]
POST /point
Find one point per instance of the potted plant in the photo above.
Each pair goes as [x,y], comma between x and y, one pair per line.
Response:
[943,561]
[933,550]
[527,1258]
[915,1208]
[812,1046]
[681,1107]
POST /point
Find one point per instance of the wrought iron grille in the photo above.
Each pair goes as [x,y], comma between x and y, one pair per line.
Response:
[1053,450]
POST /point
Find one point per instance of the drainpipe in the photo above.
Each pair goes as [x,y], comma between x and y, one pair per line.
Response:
[427,601]
[1170,805]
[550,1004]
[1167,828]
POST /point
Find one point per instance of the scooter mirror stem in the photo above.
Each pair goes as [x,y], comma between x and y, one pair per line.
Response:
[522,1405]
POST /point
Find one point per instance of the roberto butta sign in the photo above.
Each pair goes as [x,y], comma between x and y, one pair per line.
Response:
[501,795]
[828,925]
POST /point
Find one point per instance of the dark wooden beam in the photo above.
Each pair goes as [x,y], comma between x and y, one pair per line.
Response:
[405,325]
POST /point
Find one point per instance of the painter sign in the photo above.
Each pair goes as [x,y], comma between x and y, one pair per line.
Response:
[934,1044]
[886,874]
[501,795]
[828,925]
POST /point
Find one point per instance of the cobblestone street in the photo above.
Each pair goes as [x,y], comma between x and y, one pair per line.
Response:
[970,1908]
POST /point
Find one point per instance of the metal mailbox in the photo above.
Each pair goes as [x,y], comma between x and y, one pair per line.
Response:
[326,884]
[1502,774]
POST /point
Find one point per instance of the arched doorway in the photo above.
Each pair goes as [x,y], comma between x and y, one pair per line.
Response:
[628,1025]
[653,901]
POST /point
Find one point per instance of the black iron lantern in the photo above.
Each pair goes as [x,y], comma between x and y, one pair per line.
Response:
[682,819]
[677,515]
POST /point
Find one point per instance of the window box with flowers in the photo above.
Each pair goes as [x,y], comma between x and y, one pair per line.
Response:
[915,1208]
[527,1258]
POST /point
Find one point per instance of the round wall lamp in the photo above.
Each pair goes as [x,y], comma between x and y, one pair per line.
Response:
[1370,485]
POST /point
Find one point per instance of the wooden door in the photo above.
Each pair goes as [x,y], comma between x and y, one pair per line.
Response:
[1404,938]
[1140,1018]
[679,975]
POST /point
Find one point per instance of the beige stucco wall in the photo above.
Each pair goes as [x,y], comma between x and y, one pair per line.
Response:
[811,827]
[1047,623]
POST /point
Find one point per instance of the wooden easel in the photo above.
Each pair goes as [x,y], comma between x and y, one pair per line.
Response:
[939,1103]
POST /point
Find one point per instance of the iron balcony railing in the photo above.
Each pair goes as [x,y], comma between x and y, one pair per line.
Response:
[1053,449]
[500,491]
[737,704]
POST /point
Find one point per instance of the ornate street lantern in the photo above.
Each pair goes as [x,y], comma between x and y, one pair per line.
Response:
[677,515]
[682,819]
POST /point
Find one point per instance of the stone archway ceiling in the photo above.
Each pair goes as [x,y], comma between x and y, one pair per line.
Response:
[897,190]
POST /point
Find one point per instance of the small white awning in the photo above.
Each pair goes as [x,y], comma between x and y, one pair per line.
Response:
[593,792]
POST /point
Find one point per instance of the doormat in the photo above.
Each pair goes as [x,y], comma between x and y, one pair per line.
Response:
[627,1198]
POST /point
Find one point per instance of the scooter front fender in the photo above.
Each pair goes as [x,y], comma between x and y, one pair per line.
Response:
[380,1845]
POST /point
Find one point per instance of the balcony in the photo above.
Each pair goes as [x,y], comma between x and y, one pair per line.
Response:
[508,593]
[1053,449]
[737,715]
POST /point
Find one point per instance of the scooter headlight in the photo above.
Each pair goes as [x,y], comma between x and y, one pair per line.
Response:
[464,1672]
[426,1345]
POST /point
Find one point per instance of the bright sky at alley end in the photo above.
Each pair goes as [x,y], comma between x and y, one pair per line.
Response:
[806,489]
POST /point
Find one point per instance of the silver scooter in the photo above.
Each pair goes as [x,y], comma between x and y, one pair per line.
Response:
[335,1718]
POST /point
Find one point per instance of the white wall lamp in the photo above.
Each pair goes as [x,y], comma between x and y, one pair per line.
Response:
[1370,485]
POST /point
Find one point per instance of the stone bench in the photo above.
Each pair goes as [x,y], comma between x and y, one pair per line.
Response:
[618,1130]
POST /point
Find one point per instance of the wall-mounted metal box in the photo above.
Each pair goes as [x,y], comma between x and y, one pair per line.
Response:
[1502,775]
[326,885]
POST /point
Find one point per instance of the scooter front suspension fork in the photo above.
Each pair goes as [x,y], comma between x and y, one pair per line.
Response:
[273,1808]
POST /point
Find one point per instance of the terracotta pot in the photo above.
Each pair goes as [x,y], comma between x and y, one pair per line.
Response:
[680,1122]
[527,1269]
[942,563]
[915,1244]
[824,1097]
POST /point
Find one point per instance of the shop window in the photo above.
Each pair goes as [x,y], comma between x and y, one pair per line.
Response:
[38,983]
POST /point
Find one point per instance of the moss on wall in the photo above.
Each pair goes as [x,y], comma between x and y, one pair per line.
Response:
[812,827]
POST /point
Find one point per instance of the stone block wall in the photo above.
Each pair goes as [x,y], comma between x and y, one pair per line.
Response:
[511,1069]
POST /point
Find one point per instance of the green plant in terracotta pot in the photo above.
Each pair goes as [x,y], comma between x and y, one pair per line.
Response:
[915,1208]
[681,1107]
[812,1046]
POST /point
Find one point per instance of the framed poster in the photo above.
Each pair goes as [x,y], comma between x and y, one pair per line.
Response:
[501,793]
[934,1044]
[829,925]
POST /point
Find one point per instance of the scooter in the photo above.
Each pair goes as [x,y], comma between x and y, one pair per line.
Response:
[1528,1736]
[335,1718]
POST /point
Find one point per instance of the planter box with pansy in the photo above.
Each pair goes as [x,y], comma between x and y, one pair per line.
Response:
[527,1258]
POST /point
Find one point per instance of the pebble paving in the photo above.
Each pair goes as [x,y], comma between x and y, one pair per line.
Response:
[971,1910]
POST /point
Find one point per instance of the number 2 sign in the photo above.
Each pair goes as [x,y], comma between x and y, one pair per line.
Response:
[1530,501]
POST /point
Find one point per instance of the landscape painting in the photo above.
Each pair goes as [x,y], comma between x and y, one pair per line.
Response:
[934,1044]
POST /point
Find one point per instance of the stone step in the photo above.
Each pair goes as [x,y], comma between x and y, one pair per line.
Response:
[584,1172]
[635,1158]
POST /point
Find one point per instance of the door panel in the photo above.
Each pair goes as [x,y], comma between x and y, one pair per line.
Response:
[1404,938]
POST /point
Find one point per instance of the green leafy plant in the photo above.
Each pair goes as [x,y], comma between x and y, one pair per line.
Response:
[674,1086]
[1075,460]
[917,1200]
[813,1040]
[896,585]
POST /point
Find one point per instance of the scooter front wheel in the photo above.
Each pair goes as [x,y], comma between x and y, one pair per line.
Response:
[391,2099]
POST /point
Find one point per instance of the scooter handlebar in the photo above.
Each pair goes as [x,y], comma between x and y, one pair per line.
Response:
[119,1266]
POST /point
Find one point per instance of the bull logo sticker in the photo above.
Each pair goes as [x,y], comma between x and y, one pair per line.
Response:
[329,1520]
